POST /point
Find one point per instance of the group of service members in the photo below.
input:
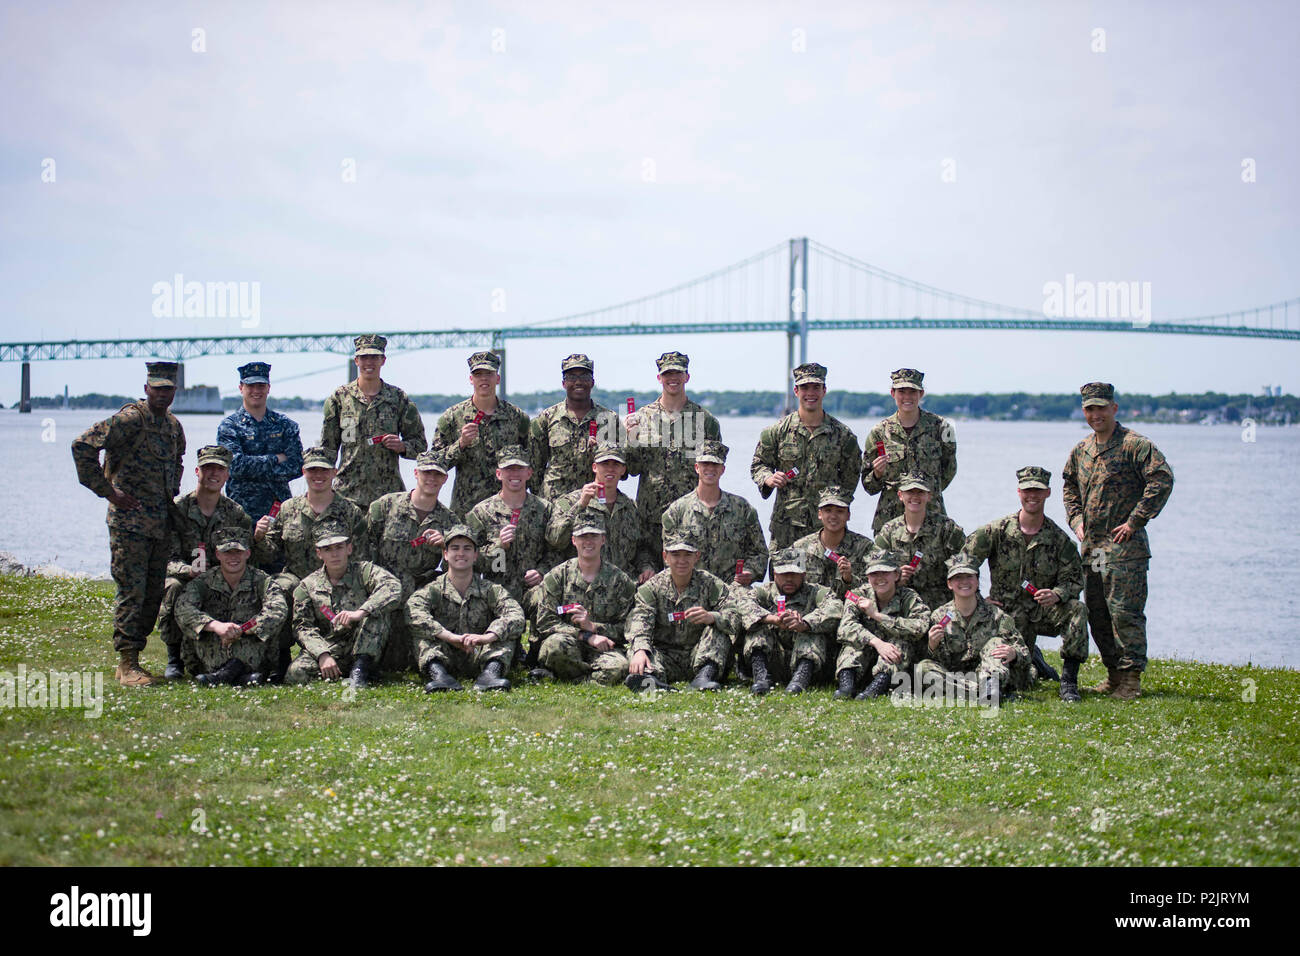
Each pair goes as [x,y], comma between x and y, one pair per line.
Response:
[539,542]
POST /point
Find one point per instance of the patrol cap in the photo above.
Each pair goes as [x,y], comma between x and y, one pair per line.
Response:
[255,373]
[712,450]
[512,455]
[460,531]
[589,521]
[882,560]
[577,362]
[1097,393]
[369,344]
[435,459]
[833,495]
[317,457]
[913,480]
[215,455]
[962,563]
[906,378]
[790,561]
[331,532]
[810,372]
[608,451]
[680,541]
[488,360]
[231,539]
[673,362]
[161,374]
[1032,476]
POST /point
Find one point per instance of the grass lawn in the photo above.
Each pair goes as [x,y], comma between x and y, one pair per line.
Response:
[1202,770]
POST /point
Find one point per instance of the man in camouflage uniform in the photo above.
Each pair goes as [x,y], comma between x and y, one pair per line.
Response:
[1027,550]
[341,613]
[561,441]
[1115,482]
[883,630]
[229,615]
[266,447]
[918,528]
[370,424]
[626,546]
[836,556]
[978,651]
[197,516]
[680,623]
[796,633]
[800,455]
[406,529]
[662,439]
[475,430]
[916,442]
[144,445]
[584,608]
[462,624]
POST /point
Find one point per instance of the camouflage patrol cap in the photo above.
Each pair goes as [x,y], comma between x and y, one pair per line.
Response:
[460,531]
[913,480]
[369,344]
[608,451]
[215,455]
[255,373]
[1032,476]
[712,450]
[882,560]
[673,362]
[809,373]
[577,362]
[1097,393]
[317,457]
[833,495]
[488,360]
[231,539]
[330,532]
[435,459]
[512,455]
[962,563]
[790,561]
[161,374]
[589,521]
[906,378]
[680,541]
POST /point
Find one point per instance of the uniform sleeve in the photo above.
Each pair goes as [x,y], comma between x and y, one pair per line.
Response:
[1069,574]
[446,437]
[641,622]
[644,558]
[729,610]
[711,427]
[360,533]
[751,606]
[850,466]
[851,632]
[275,610]
[270,550]
[523,430]
[509,622]
[622,601]
[763,465]
[305,626]
[870,483]
[412,430]
[672,518]
[385,590]
[421,612]
[947,453]
[825,617]
[1070,493]
[291,467]
[489,546]
[549,621]
[1159,484]
[559,530]
[241,465]
[374,528]
[331,432]
[953,540]
[539,452]
[112,434]
[190,615]
[912,625]
[1007,632]
[180,457]
[979,544]
[754,547]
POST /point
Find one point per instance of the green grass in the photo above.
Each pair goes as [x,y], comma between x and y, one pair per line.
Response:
[1190,774]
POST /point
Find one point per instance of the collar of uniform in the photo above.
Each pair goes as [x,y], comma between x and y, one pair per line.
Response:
[477,585]
[1116,438]
[245,583]
[829,423]
[385,392]
[562,410]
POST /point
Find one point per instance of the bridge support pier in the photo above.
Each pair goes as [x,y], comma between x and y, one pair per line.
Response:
[25,396]
[180,377]
[352,371]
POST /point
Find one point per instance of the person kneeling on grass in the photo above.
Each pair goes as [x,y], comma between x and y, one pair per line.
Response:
[229,615]
[461,624]
[886,624]
[340,613]
[795,635]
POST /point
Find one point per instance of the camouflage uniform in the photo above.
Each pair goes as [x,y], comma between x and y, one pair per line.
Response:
[486,608]
[725,533]
[1125,480]
[365,586]
[292,536]
[678,649]
[822,570]
[608,600]
[938,539]
[476,466]
[821,611]
[907,620]
[209,598]
[967,648]
[529,550]
[258,478]
[626,546]
[562,449]
[143,459]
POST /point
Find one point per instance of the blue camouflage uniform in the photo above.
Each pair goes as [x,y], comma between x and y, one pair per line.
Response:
[257,478]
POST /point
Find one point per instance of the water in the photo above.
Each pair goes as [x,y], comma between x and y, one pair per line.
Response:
[1223,582]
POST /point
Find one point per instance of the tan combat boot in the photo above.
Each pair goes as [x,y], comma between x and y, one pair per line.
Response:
[1130,686]
[129,673]
[1109,684]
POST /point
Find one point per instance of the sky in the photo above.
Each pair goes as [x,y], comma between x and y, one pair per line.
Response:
[399,166]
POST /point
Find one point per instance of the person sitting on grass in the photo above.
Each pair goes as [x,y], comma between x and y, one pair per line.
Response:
[793,639]
[882,631]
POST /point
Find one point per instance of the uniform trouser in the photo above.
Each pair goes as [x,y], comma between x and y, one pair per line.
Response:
[1065,619]
[466,665]
[170,629]
[785,649]
[966,676]
[285,639]
[673,664]
[1116,596]
[139,568]
[369,639]
[530,602]
[570,657]
[859,660]
[204,653]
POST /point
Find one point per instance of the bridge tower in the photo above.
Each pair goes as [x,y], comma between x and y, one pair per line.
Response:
[798,315]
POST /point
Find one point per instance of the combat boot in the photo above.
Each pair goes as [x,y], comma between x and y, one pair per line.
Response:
[803,675]
[439,679]
[705,679]
[1045,670]
[251,679]
[129,673]
[639,682]
[1070,682]
[845,681]
[175,667]
[879,685]
[539,674]
[490,678]
[360,676]
[1130,686]
[1107,685]
[281,665]
[992,693]
[758,664]
[227,673]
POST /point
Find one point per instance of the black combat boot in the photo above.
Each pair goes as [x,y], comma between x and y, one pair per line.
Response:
[1070,682]
[879,685]
[281,665]
[491,678]
[992,694]
[639,682]
[539,674]
[175,668]
[738,654]
[1045,670]
[227,673]
[360,676]
[705,679]
[845,681]
[803,675]
[758,663]
[439,679]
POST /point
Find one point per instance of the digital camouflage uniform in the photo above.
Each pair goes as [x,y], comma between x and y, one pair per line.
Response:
[930,450]
[257,478]
[486,608]
[967,649]
[726,533]
[1127,479]
[938,539]
[906,622]
[529,550]
[821,611]
[476,465]
[822,570]
[626,546]
[143,455]
[562,449]
[608,600]
[678,649]
[292,536]
[364,586]
[209,598]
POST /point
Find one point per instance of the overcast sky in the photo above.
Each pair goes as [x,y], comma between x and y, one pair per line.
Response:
[574,156]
